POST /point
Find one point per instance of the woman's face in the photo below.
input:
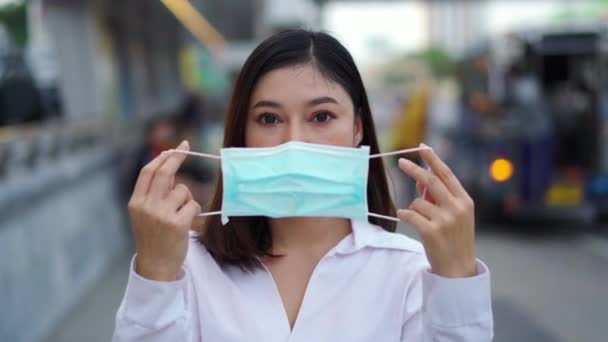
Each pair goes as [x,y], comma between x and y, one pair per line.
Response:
[299,103]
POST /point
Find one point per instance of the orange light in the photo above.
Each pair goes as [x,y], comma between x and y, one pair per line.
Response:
[501,170]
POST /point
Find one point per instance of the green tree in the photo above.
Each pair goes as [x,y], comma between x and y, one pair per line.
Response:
[13,17]
[437,59]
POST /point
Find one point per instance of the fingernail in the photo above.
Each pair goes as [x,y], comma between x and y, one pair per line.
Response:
[182,145]
[426,147]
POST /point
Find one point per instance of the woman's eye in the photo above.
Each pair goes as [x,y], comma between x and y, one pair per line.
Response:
[267,119]
[322,117]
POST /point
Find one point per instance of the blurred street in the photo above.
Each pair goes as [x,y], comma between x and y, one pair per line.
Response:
[548,286]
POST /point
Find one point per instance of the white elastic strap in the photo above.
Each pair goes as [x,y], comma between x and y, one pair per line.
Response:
[426,187]
[408,150]
[198,154]
[211,213]
[206,155]
[390,218]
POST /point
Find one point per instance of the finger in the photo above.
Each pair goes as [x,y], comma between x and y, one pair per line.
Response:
[188,212]
[419,187]
[179,196]
[146,174]
[436,188]
[164,175]
[421,224]
[424,194]
[442,171]
[425,208]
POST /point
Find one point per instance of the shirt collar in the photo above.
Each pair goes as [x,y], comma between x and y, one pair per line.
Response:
[370,235]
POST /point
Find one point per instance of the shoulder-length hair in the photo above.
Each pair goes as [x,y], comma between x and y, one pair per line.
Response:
[245,239]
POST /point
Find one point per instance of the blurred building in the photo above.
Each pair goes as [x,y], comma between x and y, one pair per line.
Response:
[261,18]
[455,25]
[122,59]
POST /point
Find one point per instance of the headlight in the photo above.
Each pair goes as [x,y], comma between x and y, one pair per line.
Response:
[501,170]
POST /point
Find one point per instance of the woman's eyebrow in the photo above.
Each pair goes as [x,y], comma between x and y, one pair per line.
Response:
[266,103]
[321,100]
[311,103]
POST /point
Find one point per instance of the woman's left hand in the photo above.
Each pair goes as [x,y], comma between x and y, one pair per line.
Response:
[444,218]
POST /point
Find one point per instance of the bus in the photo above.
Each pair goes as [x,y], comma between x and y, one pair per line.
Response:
[533,135]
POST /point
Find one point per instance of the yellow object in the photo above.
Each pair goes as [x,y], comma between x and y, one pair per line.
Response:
[196,23]
[564,195]
[409,130]
[501,170]
[188,67]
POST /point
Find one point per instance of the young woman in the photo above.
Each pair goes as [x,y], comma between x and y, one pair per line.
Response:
[259,278]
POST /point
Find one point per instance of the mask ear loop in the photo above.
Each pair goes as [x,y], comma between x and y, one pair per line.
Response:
[378,155]
[198,154]
[409,150]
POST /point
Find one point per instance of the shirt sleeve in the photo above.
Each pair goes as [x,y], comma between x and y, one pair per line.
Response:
[154,310]
[449,309]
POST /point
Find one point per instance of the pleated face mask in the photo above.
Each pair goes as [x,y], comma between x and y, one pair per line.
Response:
[295,179]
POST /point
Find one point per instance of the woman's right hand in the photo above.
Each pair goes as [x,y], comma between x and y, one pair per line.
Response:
[161,215]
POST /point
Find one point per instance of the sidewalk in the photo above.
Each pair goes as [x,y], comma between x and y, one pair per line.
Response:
[596,242]
[92,320]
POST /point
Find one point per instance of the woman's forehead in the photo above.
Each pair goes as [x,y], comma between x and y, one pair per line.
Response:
[297,83]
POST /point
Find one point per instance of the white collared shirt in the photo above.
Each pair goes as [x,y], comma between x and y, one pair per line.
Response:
[372,286]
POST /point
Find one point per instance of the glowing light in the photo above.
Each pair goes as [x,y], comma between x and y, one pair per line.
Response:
[501,170]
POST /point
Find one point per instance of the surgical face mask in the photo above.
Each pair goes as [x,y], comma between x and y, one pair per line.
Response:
[295,179]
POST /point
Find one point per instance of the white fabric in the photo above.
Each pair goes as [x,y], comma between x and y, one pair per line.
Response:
[372,286]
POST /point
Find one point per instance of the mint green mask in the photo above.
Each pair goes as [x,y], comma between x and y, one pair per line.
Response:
[295,179]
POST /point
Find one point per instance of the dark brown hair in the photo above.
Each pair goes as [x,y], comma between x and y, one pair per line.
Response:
[244,239]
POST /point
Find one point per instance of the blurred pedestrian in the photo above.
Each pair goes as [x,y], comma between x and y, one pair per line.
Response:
[159,135]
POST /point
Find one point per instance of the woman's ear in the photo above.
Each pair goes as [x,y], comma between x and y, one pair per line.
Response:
[358,137]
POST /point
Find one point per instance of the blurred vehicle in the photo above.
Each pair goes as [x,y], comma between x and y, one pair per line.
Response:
[533,132]
[20,99]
